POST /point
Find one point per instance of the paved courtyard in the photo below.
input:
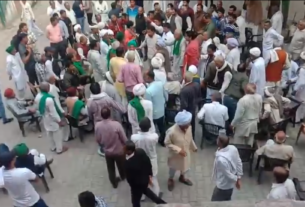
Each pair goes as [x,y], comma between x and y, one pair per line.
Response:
[80,168]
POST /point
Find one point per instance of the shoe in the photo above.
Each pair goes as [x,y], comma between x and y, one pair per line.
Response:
[102,154]
[64,149]
[170,184]
[6,121]
[117,180]
[185,181]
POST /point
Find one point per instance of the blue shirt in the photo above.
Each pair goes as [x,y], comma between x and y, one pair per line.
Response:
[132,13]
[231,28]
[158,96]
[78,12]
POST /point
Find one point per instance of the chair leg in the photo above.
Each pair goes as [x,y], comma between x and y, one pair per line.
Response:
[38,124]
[299,134]
[260,173]
[202,140]
[44,181]
[257,162]
[21,126]
[50,170]
[81,134]
[71,132]
[250,168]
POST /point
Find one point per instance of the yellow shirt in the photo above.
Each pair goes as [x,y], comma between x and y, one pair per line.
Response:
[115,66]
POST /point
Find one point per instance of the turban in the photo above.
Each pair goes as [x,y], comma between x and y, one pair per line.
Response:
[103,32]
[10,49]
[101,25]
[77,27]
[110,32]
[219,53]
[139,89]
[159,55]
[193,69]
[132,43]
[232,42]
[216,41]
[119,36]
[21,149]
[255,51]
[302,55]
[8,93]
[160,42]
[156,62]
[183,118]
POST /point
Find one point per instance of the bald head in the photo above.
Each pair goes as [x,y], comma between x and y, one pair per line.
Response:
[280,174]
[217,97]
[222,140]
[44,87]
[188,77]
[52,80]
[250,88]
[280,137]
[219,61]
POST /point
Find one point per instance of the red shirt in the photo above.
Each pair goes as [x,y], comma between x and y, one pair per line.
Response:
[192,53]
[117,26]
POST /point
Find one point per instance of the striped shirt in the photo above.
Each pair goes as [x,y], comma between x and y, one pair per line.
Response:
[231,28]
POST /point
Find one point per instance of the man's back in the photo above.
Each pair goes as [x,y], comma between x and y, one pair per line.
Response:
[252,104]
[214,113]
[16,182]
[279,151]
[146,141]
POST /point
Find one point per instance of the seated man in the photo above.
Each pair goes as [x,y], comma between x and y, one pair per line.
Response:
[77,63]
[278,150]
[20,108]
[274,105]
[71,77]
[75,107]
[214,113]
[289,77]
[88,199]
[30,159]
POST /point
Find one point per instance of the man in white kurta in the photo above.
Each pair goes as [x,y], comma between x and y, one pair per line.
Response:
[147,141]
[297,44]
[270,37]
[168,38]
[277,19]
[204,53]
[289,76]
[105,46]
[178,52]
[27,14]
[233,57]
[258,71]
[241,23]
[16,71]
[299,90]
[132,111]
[247,116]
[179,141]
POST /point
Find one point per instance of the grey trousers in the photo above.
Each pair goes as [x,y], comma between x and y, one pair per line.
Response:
[221,195]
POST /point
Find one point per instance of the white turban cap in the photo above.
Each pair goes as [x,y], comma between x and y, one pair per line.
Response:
[193,69]
[139,89]
[101,25]
[159,55]
[255,51]
[156,62]
[110,32]
[103,32]
[219,53]
[232,42]
[183,118]
[77,27]
[216,41]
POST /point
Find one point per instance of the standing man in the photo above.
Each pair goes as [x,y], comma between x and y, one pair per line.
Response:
[246,117]
[16,72]
[70,13]
[97,61]
[140,25]
[51,115]
[277,19]
[168,38]
[297,44]
[79,11]
[258,71]
[241,23]
[89,11]
[111,135]
[156,93]
[180,144]
[228,169]
[17,182]
[28,14]
[54,34]
[178,52]
[189,97]
[147,141]
[139,174]
[271,36]
[132,11]
[199,19]
[233,57]
[69,25]
[27,57]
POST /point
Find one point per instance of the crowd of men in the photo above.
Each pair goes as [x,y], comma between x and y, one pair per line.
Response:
[137,62]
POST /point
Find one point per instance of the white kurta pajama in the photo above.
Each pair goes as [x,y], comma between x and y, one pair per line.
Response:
[246,118]
[258,75]
[269,38]
[299,87]
[277,21]
[204,57]
[15,69]
[148,141]
[169,40]
[233,58]
[178,59]
[241,23]
[28,15]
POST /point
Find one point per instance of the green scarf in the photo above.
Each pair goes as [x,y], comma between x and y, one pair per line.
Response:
[107,43]
[79,67]
[78,105]
[111,51]
[176,50]
[42,104]
[136,104]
